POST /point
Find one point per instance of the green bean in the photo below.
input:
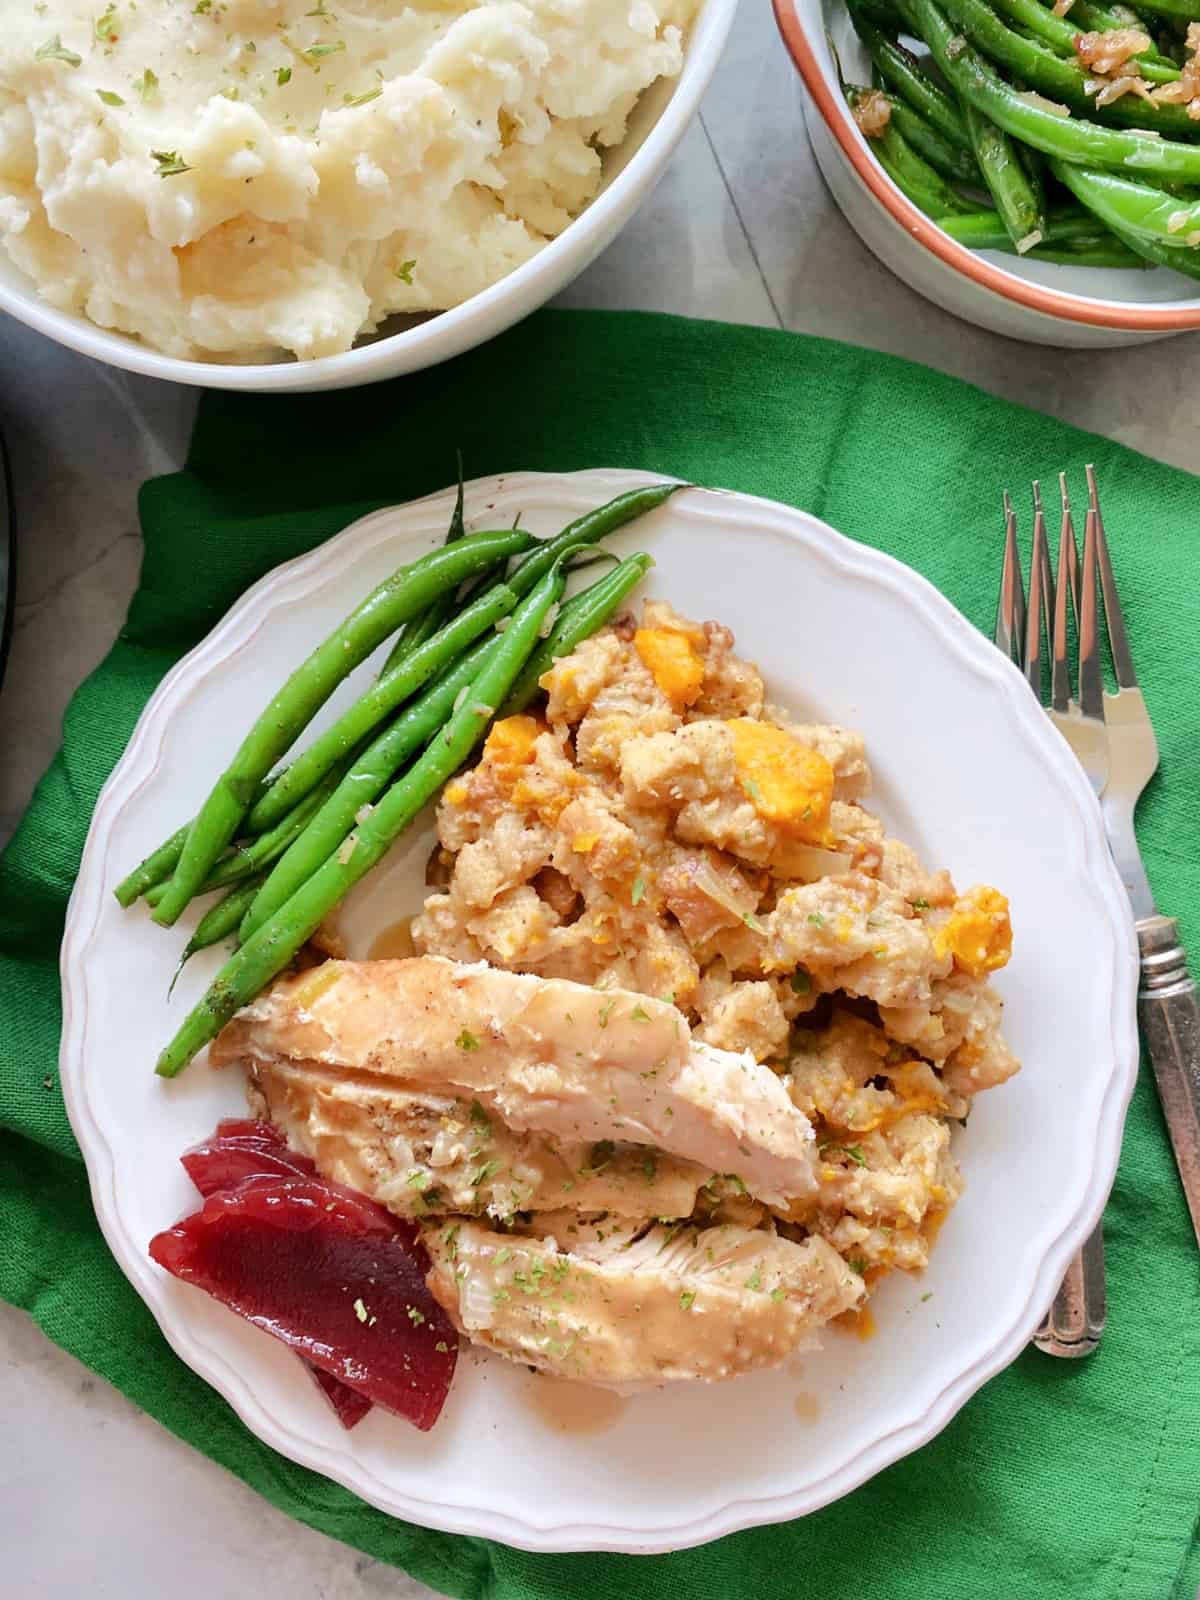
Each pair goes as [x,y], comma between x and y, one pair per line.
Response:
[219,921]
[579,618]
[1066,229]
[1006,179]
[270,949]
[1093,247]
[1161,255]
[384,695]
[914,177]
[1065,225]
[1049,74]
[958,165]
[882,13]
[425,626]
[156,868]
[1061,33]
[902,72]
[1142,214]
[1188,10]
[1033,163]
[402,596]
[1105,257]
[588,529]
[1070,138]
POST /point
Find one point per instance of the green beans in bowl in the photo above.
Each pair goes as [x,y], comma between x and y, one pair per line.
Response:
[1045,153]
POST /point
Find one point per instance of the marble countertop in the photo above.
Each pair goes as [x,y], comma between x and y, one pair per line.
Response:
[741,228]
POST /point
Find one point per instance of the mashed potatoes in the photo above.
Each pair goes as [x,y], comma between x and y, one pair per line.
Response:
[231,178]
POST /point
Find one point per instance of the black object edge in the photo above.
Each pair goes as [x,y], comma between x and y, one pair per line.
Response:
[8,556]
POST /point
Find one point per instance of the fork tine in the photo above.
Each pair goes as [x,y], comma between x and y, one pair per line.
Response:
[1066,605]
[1068,542]
[1041,597]
[1118,639]
[1091,676]
[1010,606]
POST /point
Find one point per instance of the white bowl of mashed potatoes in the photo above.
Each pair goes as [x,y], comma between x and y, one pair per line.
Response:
[311,194]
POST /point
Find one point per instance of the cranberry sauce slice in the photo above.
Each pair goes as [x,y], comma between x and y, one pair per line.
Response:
[333,1275]
[350,1406]
[227,1160]
[242,1149]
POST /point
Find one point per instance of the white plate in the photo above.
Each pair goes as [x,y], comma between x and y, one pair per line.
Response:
[967,769]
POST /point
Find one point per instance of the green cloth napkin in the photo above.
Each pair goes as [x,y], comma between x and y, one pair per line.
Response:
[1059,1479]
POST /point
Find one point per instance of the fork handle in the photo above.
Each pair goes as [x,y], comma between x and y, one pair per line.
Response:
[1074,1323]
[1169,1013]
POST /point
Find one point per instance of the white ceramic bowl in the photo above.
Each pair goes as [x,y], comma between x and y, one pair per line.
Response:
[967,767]
[1038,301]
[630,172]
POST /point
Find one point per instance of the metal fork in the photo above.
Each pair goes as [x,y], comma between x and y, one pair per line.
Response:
[1114,741]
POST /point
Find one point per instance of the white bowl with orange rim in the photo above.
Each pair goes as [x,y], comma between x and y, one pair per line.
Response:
[1039,301]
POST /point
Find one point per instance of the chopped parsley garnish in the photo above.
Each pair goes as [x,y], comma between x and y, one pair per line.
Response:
[106,26]
[55,50]
[500,1294]
[640,1014]
[467,1040]
[109,98]
[479,1117]
[317,52]
[442,1347]
[169,163]
[601,1154]
[147,84]
[927,1296]
[483,1173]
[283,75]
[857,1264]
[503,1256]
[649,1168]
[419,1179]
[605,1013]
[638,891]
[687,1298]
[817,920]
[449,1238]
[360,1310]
[853,1152]
[753,791]
[754,1281]
[919,905]
[363,100]
[415,1317]
[778,1294]
[801,982]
